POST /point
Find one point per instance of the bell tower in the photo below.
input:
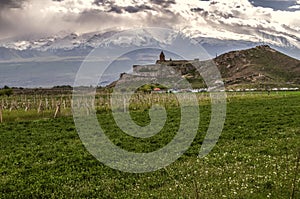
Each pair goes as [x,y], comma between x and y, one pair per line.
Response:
[162,57]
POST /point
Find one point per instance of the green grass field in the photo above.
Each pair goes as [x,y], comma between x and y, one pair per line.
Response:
[257,156]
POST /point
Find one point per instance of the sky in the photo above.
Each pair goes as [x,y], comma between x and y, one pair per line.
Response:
[226,18]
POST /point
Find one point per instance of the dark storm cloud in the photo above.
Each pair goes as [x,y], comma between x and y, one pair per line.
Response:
[163,3]
[11,4]
[197,9]
[162,6]
[5,20]
[92,17]
[132,9]
[108,19]
[116,9]
[120,9]
[129,9]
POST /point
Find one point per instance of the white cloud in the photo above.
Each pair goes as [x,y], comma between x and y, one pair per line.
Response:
[235,19]
[296,6]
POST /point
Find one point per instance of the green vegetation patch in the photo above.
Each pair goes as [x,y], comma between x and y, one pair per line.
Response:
[255,157]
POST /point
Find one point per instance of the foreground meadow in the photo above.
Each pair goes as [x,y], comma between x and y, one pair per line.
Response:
[257,155]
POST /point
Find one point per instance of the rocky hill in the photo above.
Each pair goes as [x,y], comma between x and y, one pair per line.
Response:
[261,67]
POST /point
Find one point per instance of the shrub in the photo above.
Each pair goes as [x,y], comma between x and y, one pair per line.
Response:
[6,91]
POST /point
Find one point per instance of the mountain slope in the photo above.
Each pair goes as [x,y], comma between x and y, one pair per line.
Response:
[259,66]
[73,45]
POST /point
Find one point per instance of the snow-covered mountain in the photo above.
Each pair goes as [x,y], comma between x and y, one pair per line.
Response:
[75,45]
